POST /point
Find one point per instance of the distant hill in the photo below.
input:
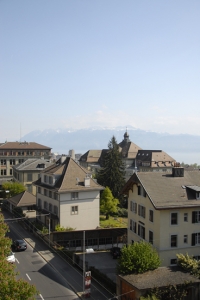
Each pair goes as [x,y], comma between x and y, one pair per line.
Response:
[62,140]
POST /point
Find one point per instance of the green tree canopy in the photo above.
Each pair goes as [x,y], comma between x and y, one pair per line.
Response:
[138,258]
[112,172]
[10,287]
[108,204]
[13,188]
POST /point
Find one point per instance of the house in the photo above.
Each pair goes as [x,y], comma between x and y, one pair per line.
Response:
[29,171]
[13,153]
[133,286]
[26,201]
[133,157]
[164,209]
[69,194]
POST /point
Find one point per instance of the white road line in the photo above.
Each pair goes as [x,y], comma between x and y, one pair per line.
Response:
[16,260]
[28,277]
[41,297]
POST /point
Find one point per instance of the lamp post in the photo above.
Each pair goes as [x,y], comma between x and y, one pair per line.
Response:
[49,227]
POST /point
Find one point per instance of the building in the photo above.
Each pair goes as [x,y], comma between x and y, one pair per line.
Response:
[134,286]
[164,209]
[68,193]
[24,200]
[134,158]
[29,171]
[13,153]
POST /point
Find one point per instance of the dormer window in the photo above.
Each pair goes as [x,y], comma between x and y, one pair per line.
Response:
[197,195]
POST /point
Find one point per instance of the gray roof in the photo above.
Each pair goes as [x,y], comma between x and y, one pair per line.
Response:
[33,164]
[23,146]
[23,199]
[160,277]
[71,178]
[166,191]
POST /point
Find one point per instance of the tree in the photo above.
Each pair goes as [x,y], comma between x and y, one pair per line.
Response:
[112,172]
[138,258]
[10,287]
[108,204]
[13,188]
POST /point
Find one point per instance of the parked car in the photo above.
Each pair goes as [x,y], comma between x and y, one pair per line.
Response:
[19,245]
[11,257]
[116,252]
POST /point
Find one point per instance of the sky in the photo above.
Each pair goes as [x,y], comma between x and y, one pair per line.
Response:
[85,63]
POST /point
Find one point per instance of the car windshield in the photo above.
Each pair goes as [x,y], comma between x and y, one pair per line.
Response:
[21,242]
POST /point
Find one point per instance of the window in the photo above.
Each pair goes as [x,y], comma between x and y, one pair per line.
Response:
[45,178]
[30,177]
[21,161]
[11,171]
[185,239]
[174,240]
[133,207]
[174,218]
[74,195]
[3,162]
[3,172]
[45,192]
[12,162]
[45,204]
[173,261]
[141,211]
[50,194]
[55,210]
[151,215]
[141,231]
[74,210]
[50,180]
[50,207]
[196,217]
[150,237]
[39,203]
[39,190]
[141,191]
[195,239]
[185,217]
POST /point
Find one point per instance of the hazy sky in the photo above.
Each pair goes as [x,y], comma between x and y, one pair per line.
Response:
[99,63]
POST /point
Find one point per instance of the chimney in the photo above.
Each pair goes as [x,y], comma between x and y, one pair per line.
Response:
[87,180]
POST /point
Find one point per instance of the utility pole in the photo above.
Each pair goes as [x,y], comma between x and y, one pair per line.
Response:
[83,262]
[49,227]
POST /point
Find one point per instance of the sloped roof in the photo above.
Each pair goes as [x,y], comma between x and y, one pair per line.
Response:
[23,146]
[23,199]
[166,191]
[71,178]
[33,164]
[160,277]
[157,158]
[91,156]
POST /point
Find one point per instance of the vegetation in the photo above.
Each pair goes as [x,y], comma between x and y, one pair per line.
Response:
[189,264]
[195,165]
[10,287]
[112,222]
[112,172]
[108,204]
[62,228]
[12,188]
[138,258]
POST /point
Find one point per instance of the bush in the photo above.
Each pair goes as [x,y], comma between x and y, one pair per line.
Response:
[123,212]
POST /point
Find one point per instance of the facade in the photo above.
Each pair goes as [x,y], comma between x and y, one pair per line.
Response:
[68,193]
[133,156]
[164,209]
[29,171]
[13,153]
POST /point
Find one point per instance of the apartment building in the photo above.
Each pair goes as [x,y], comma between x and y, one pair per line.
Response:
[13,153]
[164,209]
[29,171]
[67,193]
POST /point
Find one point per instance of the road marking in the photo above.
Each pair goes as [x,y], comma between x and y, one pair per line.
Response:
[28,277]
[16,260]
[41,297]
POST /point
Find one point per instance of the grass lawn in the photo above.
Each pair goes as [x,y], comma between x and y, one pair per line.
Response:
[113,222]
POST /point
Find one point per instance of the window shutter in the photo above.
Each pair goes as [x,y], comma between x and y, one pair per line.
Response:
[193,239]
[193,216]
[144,234]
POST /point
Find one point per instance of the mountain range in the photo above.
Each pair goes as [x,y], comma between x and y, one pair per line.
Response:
[82,140]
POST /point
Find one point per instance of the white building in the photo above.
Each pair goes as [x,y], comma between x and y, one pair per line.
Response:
[68,193]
